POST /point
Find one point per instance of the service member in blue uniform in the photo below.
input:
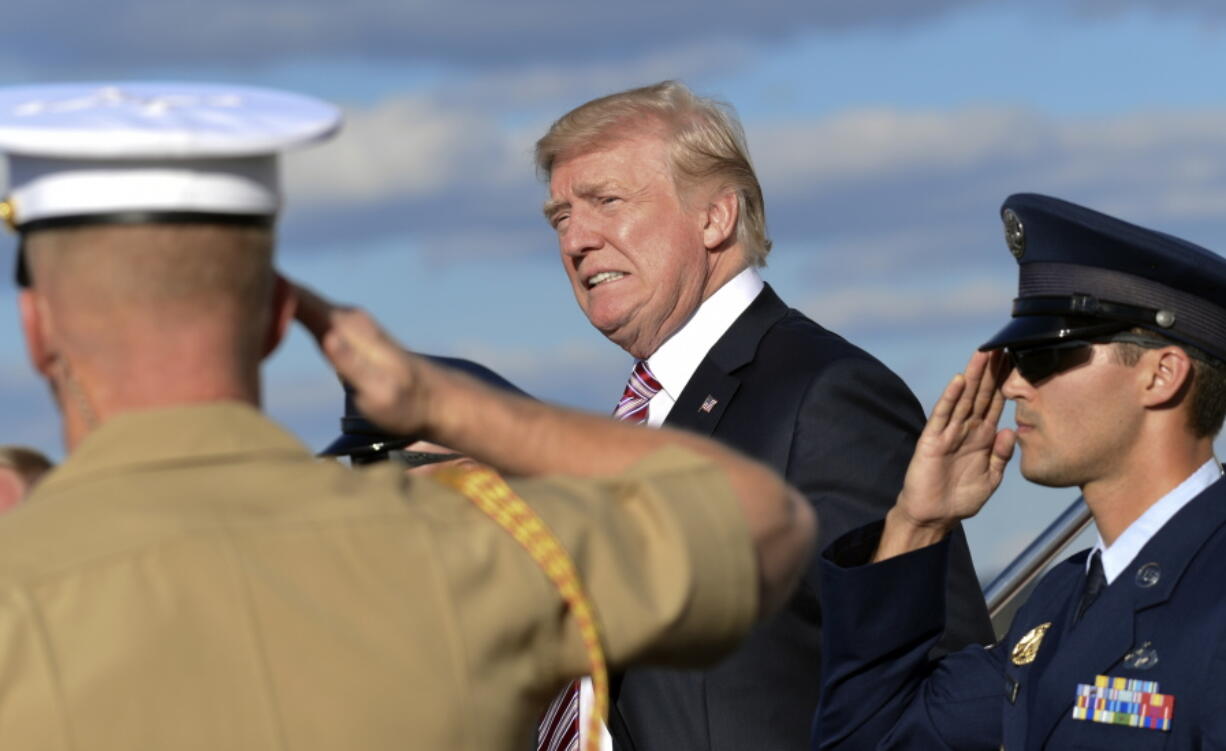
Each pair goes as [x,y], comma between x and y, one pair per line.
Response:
[1114,359]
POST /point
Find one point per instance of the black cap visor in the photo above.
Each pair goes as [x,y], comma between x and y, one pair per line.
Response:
[358,444]
[1029,331]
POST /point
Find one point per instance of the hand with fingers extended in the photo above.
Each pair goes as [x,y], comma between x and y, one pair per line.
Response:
[389,383]
[958,462]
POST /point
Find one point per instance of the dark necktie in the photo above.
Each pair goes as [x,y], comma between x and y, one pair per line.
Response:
[1096,581]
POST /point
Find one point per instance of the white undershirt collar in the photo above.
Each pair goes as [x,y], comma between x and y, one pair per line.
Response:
[1126,547]
[679,356]
[673,364]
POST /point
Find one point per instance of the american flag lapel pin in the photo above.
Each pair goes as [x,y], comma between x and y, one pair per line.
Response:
[708,404]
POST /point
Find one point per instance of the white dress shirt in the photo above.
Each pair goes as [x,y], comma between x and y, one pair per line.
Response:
[680,355]
[673,364]
[1128,545]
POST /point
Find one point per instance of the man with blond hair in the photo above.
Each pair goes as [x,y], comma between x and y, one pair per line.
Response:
[662,228]
[191,577]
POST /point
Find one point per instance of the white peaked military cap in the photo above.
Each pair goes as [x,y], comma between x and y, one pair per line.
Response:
[150,152]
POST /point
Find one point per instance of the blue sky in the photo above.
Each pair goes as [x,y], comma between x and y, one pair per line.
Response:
[886,134]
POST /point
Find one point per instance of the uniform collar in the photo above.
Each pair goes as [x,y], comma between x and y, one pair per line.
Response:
[1121,553]
[197,433]
[677,358]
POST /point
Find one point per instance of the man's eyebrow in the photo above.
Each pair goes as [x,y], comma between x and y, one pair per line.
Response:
[553,206]
[588,190]
[582,190]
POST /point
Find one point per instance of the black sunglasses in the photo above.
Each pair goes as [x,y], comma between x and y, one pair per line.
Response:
[1046,360]
[1039,363]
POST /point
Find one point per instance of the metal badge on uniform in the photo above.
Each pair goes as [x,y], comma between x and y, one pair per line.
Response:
[1124,701]
[1143,657]
[708,404]
[1012,689]
[1149,575]
[1027,647]
[7,214]
[1015,233]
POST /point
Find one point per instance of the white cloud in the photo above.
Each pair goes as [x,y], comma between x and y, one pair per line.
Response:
[873,254]
[556,88]
[453,136]
[890,189]
[864,172]
[876,187]
[886,144]
[126,34]
[407,147]
[906,305]
[869,143]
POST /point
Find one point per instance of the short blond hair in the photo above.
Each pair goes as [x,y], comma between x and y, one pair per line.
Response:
[706,139]
[153,263]
[165,275]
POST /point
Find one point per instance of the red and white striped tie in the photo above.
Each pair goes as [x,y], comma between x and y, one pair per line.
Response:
[559,727]
[639,390]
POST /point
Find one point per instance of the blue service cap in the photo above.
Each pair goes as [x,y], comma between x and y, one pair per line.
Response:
[1083,274]
[361,437]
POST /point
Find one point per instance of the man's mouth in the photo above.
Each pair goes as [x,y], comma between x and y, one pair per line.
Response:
[604,276]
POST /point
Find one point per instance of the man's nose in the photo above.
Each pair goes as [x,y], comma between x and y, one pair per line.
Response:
[579,236]
[1014,385]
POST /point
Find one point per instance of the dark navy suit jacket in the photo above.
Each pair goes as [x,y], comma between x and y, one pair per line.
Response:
[841,427]
[1163,619]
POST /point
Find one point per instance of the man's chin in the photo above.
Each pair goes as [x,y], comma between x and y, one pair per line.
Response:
[624,339]
[606,324]
[626,336]
[1047,476]
[625,329]
[614,324]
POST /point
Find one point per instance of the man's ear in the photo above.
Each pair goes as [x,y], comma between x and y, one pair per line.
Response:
[720,219]
[284,302]
[1167,373]
[38,328]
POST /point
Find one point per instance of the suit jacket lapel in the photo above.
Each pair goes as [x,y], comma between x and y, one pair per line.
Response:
[699,408]
[702,402]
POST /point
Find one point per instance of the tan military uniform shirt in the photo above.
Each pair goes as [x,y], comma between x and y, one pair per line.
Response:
[193,578]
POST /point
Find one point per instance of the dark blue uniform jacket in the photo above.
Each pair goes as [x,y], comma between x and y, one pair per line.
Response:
[1163,620]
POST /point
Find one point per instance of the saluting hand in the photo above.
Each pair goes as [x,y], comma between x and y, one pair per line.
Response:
[959,459]
[387,381]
